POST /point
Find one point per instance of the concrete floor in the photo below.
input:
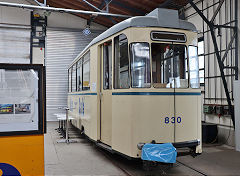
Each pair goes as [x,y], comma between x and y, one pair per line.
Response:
[84,158]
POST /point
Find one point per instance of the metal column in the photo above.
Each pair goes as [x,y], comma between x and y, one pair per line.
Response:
[237,114]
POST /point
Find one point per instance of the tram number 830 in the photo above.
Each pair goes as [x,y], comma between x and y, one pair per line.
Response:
[173,120]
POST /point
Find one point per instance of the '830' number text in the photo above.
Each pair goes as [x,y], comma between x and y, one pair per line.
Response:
[173,120]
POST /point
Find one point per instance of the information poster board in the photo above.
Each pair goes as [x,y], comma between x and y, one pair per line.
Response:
[22,99]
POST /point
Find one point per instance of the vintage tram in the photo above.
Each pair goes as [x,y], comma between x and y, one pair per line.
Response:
[138,83]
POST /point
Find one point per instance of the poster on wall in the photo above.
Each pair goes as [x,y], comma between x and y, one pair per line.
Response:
[6,109]
[20,97]
[22,108]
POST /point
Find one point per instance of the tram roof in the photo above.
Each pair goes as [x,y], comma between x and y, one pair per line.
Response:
[165,18]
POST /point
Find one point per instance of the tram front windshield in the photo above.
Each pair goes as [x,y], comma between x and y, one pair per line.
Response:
[169,66]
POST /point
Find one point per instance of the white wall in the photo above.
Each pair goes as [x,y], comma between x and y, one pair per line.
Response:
[11,16]
[214,87]
[64,20]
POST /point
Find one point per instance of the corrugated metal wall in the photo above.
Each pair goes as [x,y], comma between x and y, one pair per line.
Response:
[62,46]
[14,45]
[213,91]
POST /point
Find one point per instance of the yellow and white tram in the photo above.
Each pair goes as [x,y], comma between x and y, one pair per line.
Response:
[138,83]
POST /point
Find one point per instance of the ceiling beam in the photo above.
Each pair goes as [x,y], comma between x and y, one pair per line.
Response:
[80,5]
[91,5]
[101,7]
[87,17]
[113,8]
[26,6]
[148,5]
[128,8]
[44,4]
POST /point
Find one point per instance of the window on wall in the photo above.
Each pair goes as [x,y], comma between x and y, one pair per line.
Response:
[169,66]
[201,60]
[140,65]
[74,78]
[79,75]
[107,65]
[121,62]
[70,80]
[86,71]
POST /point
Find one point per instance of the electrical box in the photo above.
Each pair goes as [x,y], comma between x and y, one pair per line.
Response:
[208,109]
[222,110]
[226,110]
[219,110]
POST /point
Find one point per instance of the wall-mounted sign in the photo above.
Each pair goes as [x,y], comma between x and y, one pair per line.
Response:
[21,99]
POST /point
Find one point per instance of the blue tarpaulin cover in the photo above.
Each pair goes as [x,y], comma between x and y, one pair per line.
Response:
[165,153]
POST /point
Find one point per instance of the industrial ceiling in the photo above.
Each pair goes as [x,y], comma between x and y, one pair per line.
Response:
[125,7]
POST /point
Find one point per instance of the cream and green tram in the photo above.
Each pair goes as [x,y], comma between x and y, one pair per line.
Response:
[138,83]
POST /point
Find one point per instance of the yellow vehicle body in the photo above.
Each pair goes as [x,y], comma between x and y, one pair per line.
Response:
[25,153]
[123,118]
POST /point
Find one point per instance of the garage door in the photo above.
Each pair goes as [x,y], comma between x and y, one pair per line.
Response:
[14,45]
[62,47]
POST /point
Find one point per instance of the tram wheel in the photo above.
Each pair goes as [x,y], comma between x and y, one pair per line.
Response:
[193,153]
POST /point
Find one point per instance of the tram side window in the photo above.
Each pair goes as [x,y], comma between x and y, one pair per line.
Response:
[70,80]
[140,65]
[169,66]
[121,62]
[74,78]
[107,65]
[79,75]
[193,67]
[86,71]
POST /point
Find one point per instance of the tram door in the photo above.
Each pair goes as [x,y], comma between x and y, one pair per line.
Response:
[162,73]
[106,94]
[187,107]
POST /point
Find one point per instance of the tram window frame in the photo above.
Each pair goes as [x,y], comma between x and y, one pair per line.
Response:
[166,36]
[74,78]
[117,80]
[185,70]
[197,59]
[86,59]
[79,77]
[148,70]
[107,48]
[70,79]
[201,58]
